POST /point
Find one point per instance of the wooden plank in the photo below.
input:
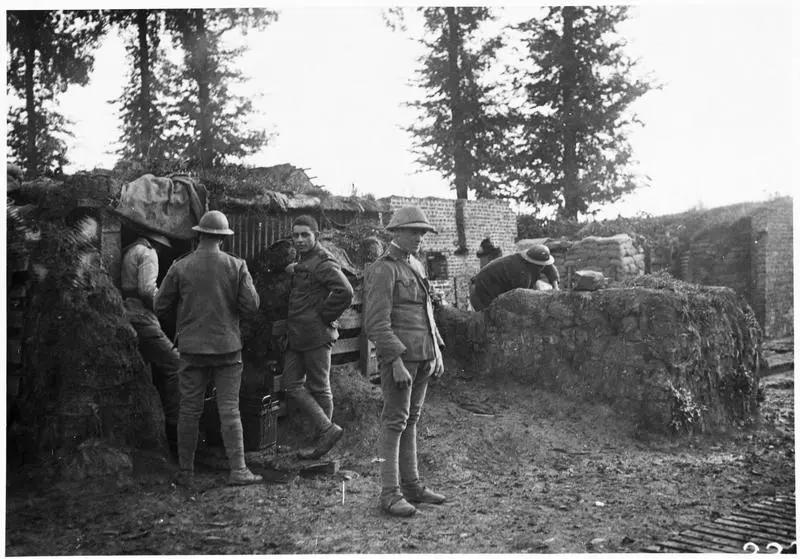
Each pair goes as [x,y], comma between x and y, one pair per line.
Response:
[684,547]
[231,241]
[262,231]
[723,528]
[747,524]
[256,237]
[342,358]
[784,499]
[697,544]
[350,319]
[772,509]
[345,345]
[785,509]
[768,520]
[720,543]
[770,527]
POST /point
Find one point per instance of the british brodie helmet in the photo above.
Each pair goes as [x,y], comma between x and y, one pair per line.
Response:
[213,223]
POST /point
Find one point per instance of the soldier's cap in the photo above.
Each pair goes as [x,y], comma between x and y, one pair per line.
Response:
[538,254]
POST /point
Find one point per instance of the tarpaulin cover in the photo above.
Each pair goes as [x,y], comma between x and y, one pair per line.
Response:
[168,205]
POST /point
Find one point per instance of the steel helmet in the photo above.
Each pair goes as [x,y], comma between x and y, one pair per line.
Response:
[157,237]
[410,217]
[538,254]
[213,223]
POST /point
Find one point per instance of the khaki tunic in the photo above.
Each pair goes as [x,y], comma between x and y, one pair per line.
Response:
[398,313]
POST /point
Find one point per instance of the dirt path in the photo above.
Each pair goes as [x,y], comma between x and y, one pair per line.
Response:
[525,471]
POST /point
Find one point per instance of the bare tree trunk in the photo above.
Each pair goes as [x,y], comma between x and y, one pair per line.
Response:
[145,78]
[568,81]
[460,165]
[32,166]
[203,95]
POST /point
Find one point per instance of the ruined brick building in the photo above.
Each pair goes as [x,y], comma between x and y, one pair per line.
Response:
[450,271]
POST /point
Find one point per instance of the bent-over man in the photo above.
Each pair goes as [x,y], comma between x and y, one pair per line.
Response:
[139,273]
[521,269]
[211,290]
[398,318]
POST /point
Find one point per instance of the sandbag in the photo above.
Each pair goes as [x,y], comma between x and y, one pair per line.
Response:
[588,280]
[168,205]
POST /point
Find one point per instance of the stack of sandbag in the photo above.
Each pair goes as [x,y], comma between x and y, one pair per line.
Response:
[616,257]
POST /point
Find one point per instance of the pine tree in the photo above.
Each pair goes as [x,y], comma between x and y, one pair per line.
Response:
[574,150]
[47,52]
[459,126]
[459,130]
[210,121]
[142,102]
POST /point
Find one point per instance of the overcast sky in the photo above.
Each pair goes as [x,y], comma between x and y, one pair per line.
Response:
[331,82]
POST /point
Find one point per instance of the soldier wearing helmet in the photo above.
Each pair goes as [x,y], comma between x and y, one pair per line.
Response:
[139,271]
[522,269]
[398,319]
[211,290]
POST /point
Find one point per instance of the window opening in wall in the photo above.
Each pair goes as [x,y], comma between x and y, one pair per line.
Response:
[437,266]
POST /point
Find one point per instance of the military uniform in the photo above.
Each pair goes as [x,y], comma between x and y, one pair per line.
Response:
[211,290]
[398,318]
[319,295]
[139,273]
[507,273]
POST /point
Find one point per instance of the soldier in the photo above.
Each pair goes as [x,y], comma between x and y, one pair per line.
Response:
[513,271]
[398,318]
[211,290]
[320,294]
[139,274]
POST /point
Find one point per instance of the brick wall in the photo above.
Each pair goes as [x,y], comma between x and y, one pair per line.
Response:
[773,273]
[482,218]
[721,255]
[753,256]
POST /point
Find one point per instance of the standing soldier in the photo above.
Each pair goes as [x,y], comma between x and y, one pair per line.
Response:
[320,294]
[211,289]
[398,317]
[139,274]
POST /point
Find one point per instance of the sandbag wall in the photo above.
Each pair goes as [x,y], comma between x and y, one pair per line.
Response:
[616,257]
[672,360]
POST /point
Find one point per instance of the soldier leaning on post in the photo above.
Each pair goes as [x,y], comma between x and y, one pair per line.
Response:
[320,293]
[211,290]
[513,271]
[139,273]
[398,318]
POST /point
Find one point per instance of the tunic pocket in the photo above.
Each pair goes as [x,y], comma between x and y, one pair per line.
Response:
[407,291]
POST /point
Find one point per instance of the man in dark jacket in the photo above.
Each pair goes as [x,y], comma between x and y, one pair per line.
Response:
[211,290]
[398,319]
[320,294]
[509,272]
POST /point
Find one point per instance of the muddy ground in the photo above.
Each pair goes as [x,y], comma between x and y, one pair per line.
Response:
[525,471]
